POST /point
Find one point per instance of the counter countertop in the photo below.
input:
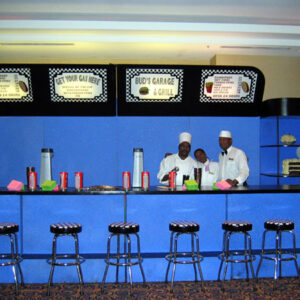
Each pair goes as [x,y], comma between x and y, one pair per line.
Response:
[165,190]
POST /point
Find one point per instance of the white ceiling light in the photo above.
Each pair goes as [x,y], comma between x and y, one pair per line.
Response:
[36,44]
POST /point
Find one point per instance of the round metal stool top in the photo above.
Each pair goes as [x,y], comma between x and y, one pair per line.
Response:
[237,226]
[123,227]
[6,228]
[279,224]
[68,228]
[184,226]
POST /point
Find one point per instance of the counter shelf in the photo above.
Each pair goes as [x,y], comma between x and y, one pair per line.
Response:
[279,175]
[276,146]
[156,190]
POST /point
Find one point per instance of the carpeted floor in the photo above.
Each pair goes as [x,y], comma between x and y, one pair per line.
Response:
[287,288]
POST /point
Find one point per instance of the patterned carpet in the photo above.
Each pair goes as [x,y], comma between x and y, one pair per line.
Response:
[287,288]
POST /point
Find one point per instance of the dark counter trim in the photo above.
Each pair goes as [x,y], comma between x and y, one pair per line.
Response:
[255,189]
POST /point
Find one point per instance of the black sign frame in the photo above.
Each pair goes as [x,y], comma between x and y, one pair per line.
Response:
[192,91]
[43,105]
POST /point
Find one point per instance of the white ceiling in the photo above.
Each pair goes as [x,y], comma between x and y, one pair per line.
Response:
[147,30]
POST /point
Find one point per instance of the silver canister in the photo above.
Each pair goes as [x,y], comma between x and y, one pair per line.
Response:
[138,167]
[46,170]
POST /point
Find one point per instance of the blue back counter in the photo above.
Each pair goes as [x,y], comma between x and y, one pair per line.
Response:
[102,147]
[153,210]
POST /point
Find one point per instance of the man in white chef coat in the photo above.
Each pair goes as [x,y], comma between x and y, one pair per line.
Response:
[181,161]
[210,169]
[233,162]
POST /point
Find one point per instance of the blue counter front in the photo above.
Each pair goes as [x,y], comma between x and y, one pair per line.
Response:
[153,210]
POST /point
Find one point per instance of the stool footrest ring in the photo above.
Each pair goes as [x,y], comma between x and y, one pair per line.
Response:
[173,259]
[123,256]
[292,256]
[66,264]
[17,259]
[230,258]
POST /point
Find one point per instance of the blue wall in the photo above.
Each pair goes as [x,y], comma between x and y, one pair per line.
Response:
[102,147]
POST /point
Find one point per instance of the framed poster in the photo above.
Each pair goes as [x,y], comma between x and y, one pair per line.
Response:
[78,84]
[151,90]
[228,91]
[154,85]
[228,86]
[15,85]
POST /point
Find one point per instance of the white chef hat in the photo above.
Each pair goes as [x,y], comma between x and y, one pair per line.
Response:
[185,137]
[225,134]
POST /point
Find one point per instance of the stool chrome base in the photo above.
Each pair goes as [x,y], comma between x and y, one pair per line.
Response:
[180,257]
[77,261]
[129,259]
[15,260]
[277,254]
[228,256]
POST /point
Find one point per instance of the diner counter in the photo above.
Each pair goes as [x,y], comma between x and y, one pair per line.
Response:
[153,210]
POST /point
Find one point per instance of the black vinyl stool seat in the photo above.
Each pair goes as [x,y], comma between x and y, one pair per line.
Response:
[179,228]
[10,230]
[278,254]
[125,258]
[123,227]
[65,228]
[60,230]
[238,256]
[184,226]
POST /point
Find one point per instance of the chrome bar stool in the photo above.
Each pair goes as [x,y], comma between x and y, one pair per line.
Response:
[179,228]
[125,229]
[13,259]
[278,226]
[238,256]
[60,230]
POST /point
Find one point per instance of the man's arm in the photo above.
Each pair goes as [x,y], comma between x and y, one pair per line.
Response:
[244,168]
[244,171]
[215,170]
[163,174]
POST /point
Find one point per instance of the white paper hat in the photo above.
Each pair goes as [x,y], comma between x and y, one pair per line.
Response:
[225,134]
[185,137]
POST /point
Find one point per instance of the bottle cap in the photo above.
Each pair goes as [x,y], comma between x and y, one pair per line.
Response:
[48,150]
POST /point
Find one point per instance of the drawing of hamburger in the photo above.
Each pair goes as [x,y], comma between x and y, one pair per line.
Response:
[245,87]
[23,86]
[144,90]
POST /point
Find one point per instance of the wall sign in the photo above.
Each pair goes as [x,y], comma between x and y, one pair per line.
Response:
[78,85]
[57,90]
[154,85]
[182,90]
[138,90]
[15,85]
[228,86]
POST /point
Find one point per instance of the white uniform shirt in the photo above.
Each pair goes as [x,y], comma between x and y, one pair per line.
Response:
[234,165]
[210,172]
[185,166]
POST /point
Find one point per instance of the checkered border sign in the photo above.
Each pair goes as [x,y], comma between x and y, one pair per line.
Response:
[57,71]
[25,72]
[247,99]
[130,73]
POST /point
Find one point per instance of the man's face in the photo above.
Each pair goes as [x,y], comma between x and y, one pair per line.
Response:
[201,156]
[225,143]
[184,149]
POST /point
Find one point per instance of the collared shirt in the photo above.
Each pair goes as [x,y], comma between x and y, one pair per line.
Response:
[233,165]
[186,167]
[210,172]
